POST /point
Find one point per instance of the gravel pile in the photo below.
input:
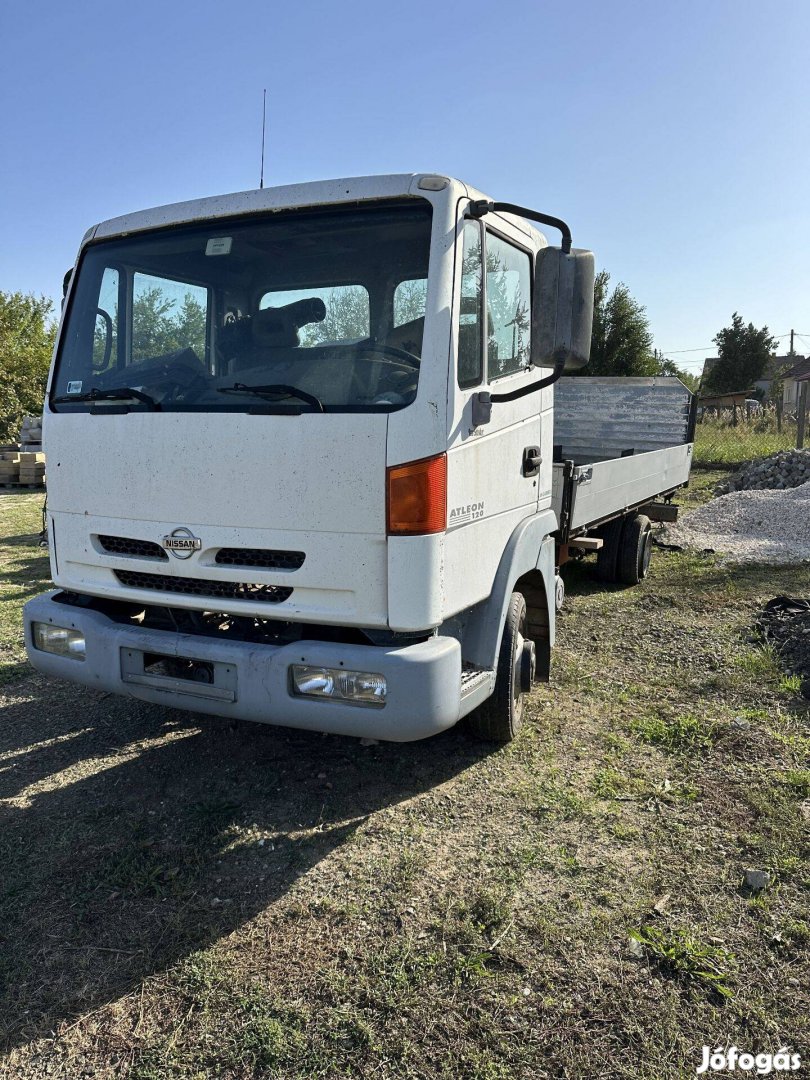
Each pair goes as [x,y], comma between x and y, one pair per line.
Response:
[787,469]
[750,526]
[785,624]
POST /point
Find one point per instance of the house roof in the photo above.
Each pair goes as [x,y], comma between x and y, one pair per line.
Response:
[799,370]
[735,397]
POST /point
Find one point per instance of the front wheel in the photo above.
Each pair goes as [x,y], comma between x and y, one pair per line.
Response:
[500,718]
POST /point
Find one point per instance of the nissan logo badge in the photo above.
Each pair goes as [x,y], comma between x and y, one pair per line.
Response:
[182,543]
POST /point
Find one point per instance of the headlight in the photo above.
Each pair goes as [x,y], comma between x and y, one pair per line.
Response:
[336,684]
[59,640]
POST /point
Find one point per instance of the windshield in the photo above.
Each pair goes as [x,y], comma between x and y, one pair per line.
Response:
[309,311]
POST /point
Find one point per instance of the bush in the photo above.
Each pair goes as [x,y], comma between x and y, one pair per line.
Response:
[26,342]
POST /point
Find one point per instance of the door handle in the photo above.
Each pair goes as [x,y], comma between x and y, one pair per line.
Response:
[532,460]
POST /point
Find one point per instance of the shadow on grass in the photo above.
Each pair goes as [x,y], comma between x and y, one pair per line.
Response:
[580,579]
[35,571]
[127,836]
[12,672]
[697,573]
[24,540]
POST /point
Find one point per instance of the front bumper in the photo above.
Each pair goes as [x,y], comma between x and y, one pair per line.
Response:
[251,681]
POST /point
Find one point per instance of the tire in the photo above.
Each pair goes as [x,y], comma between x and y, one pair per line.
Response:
[500,717]
[607,557]
[635,550]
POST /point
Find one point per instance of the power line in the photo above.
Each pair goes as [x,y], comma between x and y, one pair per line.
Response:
[702,348]
[675,352]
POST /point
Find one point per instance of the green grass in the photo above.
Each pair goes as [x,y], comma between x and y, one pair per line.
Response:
[680,953]
[719,442]
[25,573]
[609,783]
[790,684]
[687,732]
[250,902]
[760,662]
[799,781]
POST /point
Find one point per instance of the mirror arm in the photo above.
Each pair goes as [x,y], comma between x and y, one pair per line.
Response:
[481,207]
[483,401]
[559,368]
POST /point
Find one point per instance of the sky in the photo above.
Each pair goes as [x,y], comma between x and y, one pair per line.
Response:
[673,137]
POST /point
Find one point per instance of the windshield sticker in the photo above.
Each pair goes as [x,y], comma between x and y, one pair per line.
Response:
[74,387]
[219,245]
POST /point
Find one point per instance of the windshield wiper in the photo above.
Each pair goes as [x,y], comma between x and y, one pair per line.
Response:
[279,390]
[118,393]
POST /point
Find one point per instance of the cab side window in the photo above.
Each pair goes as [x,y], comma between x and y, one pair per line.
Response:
[470,337]
[105,333]
[508,308]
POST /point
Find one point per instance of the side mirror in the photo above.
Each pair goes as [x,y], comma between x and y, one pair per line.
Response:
[562,312]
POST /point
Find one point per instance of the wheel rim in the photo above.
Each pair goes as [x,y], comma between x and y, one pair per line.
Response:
[646,553]
[517,660]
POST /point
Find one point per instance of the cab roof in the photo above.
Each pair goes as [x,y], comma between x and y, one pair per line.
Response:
[290,196]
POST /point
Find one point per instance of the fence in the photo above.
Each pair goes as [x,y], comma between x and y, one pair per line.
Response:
[722,439]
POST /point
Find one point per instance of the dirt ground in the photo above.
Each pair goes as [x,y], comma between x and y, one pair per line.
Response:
[185,897]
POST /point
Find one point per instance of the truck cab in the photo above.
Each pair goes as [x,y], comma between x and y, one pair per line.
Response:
[300,447]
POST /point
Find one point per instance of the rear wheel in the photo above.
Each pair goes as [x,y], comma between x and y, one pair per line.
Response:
[500,718]
[607,558]
[635,550]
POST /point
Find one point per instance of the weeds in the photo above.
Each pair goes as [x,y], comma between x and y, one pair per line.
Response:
[721,442]
[265,1037]
[790,684]
[798,780]
[759,663]
[491,909]
[679,953]
[608,783]
[560,799]
[687,733]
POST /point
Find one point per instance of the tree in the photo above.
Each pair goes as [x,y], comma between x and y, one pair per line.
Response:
[346,316]
[743,353]
[158,329]
[26,342]
[410,298]
[621,343]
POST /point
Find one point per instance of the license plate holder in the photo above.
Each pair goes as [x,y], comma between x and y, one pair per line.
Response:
[209,679]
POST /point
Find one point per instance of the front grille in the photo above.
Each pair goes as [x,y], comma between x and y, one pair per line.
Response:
[126,545]
[271,560]
[220,590]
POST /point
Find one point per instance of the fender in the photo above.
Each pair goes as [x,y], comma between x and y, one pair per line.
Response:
[529,557]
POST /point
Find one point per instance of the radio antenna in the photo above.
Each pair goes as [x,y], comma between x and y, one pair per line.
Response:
[264,115]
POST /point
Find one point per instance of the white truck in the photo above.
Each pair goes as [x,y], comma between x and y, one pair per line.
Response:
[307,463]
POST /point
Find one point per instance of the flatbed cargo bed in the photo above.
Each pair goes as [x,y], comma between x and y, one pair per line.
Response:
[619,443]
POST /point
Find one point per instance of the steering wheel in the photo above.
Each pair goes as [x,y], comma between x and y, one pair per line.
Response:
[392,354]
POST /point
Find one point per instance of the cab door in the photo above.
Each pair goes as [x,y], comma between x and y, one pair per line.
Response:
[493,470]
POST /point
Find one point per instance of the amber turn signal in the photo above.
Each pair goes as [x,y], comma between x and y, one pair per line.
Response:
[417,497]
